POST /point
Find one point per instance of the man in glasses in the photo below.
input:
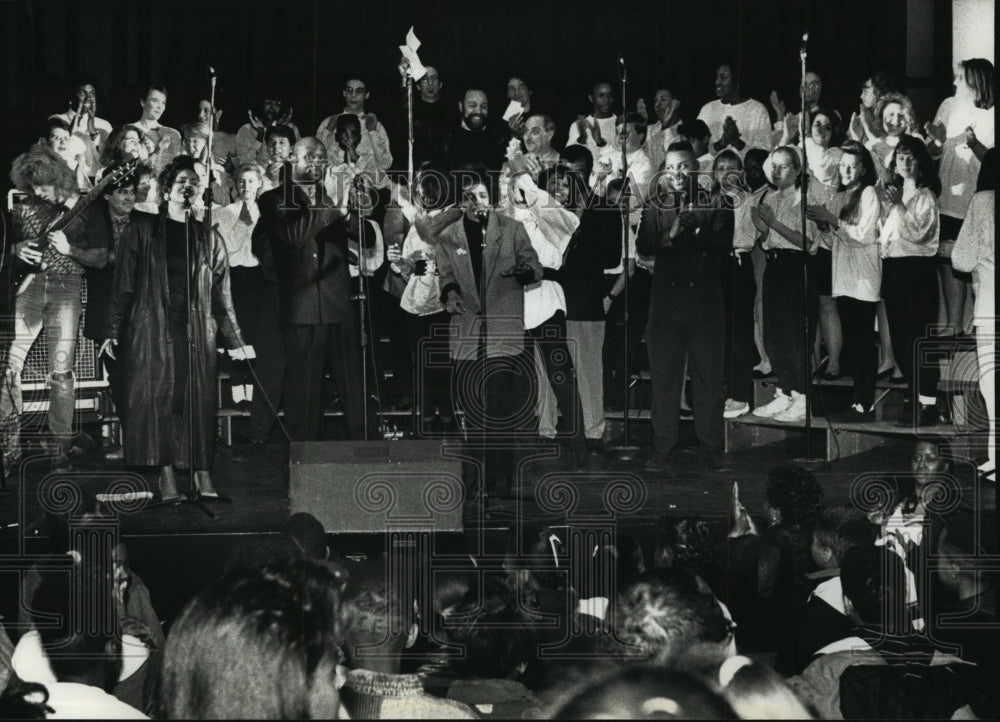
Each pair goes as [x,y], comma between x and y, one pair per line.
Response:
[250,146]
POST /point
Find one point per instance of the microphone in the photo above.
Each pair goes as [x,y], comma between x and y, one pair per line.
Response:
[621,67]
[188,194]
[805,41]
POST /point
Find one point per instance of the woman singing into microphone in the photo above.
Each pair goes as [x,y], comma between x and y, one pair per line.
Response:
[148,313]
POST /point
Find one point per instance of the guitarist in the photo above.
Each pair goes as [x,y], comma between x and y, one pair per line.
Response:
[50,295]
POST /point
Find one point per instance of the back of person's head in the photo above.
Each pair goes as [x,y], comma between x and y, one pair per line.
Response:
[432,182]
[280,131]
[641,692]
[538,561]
[377,620]
[874,582]
[884,83]
[794,491]
[578,155]
[308,535]
[667,615]
[261,643]
[74,611]
[694,130]
[836,530]
[979,75]
[755,691]
[685,545]
[497,638]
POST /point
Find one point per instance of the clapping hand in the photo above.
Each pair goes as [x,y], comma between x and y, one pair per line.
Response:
[970,136]
[937,131]
[730,133]
[819,214]
[893,193]
[742,523]
[371,122]
[522,273]
[640,108]
[778,105]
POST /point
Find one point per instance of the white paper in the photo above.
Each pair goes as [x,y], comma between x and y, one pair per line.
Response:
[515,108]
[416,70]
[411,40]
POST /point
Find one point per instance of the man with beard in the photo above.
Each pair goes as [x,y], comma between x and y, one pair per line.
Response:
[308,234]
[166,141]
[473,142]
[595,130]
[250,137]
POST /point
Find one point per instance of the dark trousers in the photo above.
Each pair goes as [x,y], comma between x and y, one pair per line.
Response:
[432,364]
[738,292]
[858,319]
[785,305]
[616,366]
[309,348]
[497,397]
[245,286]
[909,288]
[269,366]
[670,342]
[550,339]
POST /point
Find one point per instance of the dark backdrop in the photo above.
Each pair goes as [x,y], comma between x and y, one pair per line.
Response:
[303,50]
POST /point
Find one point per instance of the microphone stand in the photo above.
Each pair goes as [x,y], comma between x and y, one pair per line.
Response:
[626,451]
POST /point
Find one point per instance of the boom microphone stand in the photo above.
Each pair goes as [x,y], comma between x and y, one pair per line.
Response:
[626,451]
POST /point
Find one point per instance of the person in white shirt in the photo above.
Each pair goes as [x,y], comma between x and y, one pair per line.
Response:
[823,153]
[909,244]
[223,144]
[733,120]
[852,220]
[250,137]
[538,133]
[789,124]
[235,223]
[778,219]
[696,133]
[962,131]
[895,117]
[596,130]
[875,86]
[518,91]
[662,131]
[84,124]
[166,142]
[975,252]
[194,139]
[70,149]
[278,141]
[374,146]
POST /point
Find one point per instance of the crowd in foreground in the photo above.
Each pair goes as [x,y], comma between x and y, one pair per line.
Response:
[805,611]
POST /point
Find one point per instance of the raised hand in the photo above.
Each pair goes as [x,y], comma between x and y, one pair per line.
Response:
[937,131]
[286,116]
[371,122]
[255,122]
[581,127]
[778,105]
[640,108]
[854,128]
[108,347]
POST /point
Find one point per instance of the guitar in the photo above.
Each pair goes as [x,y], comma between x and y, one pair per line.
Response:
[24,272]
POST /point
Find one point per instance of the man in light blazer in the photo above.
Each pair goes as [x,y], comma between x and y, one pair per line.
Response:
[484,260]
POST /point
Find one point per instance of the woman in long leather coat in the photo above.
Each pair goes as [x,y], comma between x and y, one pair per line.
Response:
[148,313]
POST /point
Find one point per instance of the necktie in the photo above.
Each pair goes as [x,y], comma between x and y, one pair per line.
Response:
[245,215]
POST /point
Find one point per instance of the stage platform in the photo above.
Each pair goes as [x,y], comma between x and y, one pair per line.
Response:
[178,549]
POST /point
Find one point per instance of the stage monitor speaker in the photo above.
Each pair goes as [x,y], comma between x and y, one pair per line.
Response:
[376,486]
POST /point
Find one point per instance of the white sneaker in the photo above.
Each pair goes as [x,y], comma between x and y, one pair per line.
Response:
[773,407]
[796,410]
[735,408]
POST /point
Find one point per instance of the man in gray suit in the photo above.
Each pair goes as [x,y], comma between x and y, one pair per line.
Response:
[484,260]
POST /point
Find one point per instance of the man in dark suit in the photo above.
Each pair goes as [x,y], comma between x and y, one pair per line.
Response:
[308,232]
[484,260]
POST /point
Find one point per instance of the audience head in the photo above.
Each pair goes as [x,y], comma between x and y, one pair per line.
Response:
[577,159]
[793,497]
[279,140]
[836,530]
[602,99]
[641,692]
[41,172]
[57,135]
[727,82]
[669,615]
[180,175]
[686,545]
[518,90]
[355,95]
[378,623]
[879,84]
[894,111]
[538,133]
[74,612]
[260,644]
[154,103]
[753,166]
[755,691]
[974,80]
[498,639]
[696,133]
[912,161]
[874,583]
[665,105]
[474,108]
[430,85]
